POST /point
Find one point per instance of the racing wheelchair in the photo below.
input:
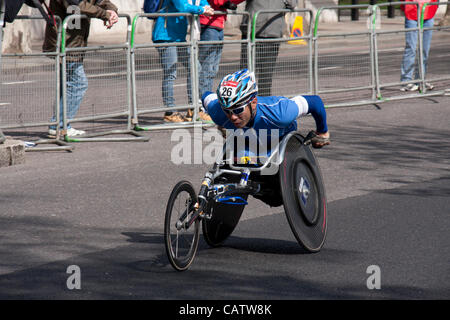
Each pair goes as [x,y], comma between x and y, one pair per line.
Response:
[295,181]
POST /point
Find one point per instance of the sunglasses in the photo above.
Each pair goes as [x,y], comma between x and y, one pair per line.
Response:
[236,111]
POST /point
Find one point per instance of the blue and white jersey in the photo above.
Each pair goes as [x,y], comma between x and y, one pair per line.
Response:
[272,113]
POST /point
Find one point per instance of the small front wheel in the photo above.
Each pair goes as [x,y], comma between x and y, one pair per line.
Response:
[180,239]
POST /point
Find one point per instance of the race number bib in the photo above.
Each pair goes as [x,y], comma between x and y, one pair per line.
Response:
[228,89]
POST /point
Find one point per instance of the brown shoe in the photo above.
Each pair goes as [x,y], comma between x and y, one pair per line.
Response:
[189,115]
[174,117]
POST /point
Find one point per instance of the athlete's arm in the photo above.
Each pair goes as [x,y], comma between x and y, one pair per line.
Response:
[314,105]
[212,107]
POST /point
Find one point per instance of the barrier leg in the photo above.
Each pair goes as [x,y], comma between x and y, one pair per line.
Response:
[2,137]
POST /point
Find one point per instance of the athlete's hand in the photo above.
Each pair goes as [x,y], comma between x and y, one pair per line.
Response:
[321,139]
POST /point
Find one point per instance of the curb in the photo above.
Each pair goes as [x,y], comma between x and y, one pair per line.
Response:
[12,152]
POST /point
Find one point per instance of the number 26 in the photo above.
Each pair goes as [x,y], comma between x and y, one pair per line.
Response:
[227,91]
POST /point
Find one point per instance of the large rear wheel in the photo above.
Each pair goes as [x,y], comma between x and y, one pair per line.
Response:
[303,195]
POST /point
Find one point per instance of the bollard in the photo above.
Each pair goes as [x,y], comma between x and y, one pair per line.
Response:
[355,12]
[391,11]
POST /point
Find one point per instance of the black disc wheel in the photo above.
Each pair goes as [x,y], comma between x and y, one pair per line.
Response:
[224,216]
[224,219]
[303,195]
[180,239]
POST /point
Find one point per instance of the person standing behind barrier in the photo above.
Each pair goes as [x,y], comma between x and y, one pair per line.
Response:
[174,29]
[267,26]
[2,15]
[76,83]
[409,63]
[209,55]
[9,9]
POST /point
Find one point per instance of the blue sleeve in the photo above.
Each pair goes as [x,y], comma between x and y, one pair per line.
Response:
[184,6]
[317,109]
[212,106]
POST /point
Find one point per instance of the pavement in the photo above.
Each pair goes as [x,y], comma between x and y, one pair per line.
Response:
[102,207]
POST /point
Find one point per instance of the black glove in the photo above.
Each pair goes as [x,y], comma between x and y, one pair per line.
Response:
[316,141]
[229,5]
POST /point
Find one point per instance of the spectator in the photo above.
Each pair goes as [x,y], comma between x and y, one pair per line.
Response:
[174,29]
[212,30]
[409,63]
[76,84]
[2,137]
[11,9]
[268,26]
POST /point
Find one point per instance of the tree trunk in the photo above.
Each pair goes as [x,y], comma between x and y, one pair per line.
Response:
[445,21]
[17,36]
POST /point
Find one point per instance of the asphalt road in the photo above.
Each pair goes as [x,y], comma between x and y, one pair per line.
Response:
[101,208]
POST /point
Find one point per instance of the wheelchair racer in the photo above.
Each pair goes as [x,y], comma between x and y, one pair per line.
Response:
[235,105]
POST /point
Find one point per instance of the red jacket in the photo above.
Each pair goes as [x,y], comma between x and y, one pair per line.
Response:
[217,21]
[411,9]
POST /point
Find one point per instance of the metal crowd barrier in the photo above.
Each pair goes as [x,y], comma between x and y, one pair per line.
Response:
[148,75]
[440,45]
[108,95]
[344,63]
[389,46]
[345,68]
[2,22]
[27,91]
[283,66]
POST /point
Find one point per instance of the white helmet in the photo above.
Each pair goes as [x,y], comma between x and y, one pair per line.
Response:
[237,89]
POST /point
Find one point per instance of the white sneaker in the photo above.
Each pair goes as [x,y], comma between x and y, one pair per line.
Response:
[410,87]
[429,86]
[72,132]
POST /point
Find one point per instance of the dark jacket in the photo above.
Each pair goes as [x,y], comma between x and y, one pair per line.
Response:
[76,37]
[268,25]
[12,8]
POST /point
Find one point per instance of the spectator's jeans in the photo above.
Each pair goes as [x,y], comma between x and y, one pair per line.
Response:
[409,63]
[209,56]
[169,57]
[76,86]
